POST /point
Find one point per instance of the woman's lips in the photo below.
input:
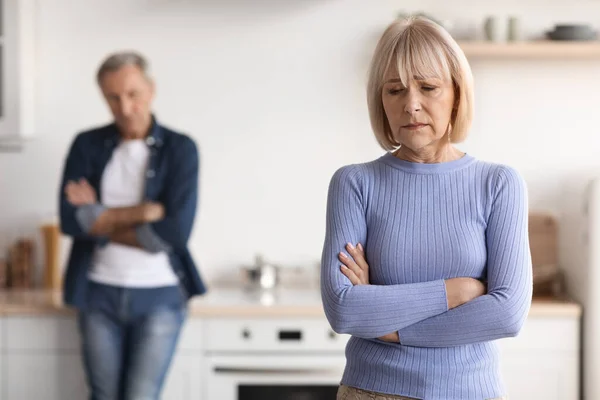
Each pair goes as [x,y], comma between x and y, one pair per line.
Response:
[414,126]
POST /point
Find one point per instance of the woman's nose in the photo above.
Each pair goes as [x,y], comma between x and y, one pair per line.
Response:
[413,103]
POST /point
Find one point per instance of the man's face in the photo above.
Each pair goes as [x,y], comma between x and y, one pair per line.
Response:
[129,94]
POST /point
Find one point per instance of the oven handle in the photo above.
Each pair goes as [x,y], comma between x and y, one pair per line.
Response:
[278,371]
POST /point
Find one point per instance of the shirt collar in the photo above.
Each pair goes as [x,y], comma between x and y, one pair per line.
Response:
[155,136]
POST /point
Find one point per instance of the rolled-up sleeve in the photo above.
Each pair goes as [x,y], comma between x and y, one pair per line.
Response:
[149,240]
[76,221]
[87,215]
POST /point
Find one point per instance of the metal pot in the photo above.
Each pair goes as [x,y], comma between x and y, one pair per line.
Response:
[262,275]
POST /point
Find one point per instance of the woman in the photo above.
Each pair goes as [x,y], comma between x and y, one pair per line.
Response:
[433,223]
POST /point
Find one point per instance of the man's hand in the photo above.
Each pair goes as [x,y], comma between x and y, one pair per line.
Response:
[355,267]
[80,192]
[152,211]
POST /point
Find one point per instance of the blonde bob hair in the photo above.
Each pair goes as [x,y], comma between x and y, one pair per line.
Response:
[418,47]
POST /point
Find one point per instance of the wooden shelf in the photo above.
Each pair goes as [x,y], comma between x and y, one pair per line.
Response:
[532,50]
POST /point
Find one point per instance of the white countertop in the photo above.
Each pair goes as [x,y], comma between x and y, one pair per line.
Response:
[236,302]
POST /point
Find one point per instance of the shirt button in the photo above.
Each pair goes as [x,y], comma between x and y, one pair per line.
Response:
[150,174]
[150,140]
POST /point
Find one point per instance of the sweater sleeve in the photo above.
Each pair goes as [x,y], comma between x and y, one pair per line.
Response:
[366,311]
[503,310]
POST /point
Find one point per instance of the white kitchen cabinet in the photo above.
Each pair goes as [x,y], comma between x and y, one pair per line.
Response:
[42,358]
[2,375]
[543,361]
[541,375]
[184,379]
[17,69]
[41,333]
[192,335]
[2,357]
[44,375]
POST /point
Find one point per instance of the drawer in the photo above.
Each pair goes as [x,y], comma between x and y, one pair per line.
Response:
[41,333]
[285,335]
[547,333]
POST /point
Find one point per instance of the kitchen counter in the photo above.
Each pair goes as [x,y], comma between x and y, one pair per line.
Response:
[231,302]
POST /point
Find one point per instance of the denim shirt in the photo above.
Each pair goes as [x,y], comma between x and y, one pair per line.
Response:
[171,179]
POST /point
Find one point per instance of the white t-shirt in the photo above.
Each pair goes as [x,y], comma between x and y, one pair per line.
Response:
[122,185]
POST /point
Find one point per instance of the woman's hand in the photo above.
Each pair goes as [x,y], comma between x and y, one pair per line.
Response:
[462,290]
[355,267]
[391,338]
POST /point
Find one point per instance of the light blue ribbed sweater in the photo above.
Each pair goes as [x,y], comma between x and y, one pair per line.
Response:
[421,224]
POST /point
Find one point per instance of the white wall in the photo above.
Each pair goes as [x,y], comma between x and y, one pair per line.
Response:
[273,91]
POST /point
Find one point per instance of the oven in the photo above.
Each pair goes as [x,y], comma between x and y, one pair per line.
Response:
[296,377]
[268,359]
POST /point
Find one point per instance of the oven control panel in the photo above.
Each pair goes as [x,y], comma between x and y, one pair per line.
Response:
[274,335]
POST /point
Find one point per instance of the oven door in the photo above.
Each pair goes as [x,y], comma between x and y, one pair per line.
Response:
[274,377]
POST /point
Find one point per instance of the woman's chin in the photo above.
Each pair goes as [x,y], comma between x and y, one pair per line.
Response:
[417,144]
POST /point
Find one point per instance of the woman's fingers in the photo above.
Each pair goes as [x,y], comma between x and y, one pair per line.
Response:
[358,255]
[350,275]
[360,273]
[350,263]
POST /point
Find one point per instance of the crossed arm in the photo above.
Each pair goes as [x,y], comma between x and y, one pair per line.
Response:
[163,225]
[374,311]
[414,314]
[117,224]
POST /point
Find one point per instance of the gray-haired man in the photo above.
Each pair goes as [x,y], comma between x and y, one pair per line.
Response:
[128,198]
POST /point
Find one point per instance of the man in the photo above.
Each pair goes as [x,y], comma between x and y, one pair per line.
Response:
[128,198]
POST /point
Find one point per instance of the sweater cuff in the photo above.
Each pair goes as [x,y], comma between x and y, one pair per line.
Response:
[412,335]
[87,215]
[149,240]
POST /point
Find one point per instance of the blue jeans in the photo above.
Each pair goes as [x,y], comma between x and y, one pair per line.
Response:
[128,339]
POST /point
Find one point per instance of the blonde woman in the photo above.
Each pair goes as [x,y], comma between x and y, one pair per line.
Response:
[412,236]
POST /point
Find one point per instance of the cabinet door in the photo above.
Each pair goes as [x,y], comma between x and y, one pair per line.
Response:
[2,377]
[54,333]
[2,357]
[43,375]
[534,375]
[542,362]
[184,379]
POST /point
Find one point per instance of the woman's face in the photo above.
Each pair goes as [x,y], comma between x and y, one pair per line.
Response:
[418,114]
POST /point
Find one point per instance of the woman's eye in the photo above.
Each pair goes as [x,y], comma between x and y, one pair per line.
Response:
[428,88]
[394,91]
